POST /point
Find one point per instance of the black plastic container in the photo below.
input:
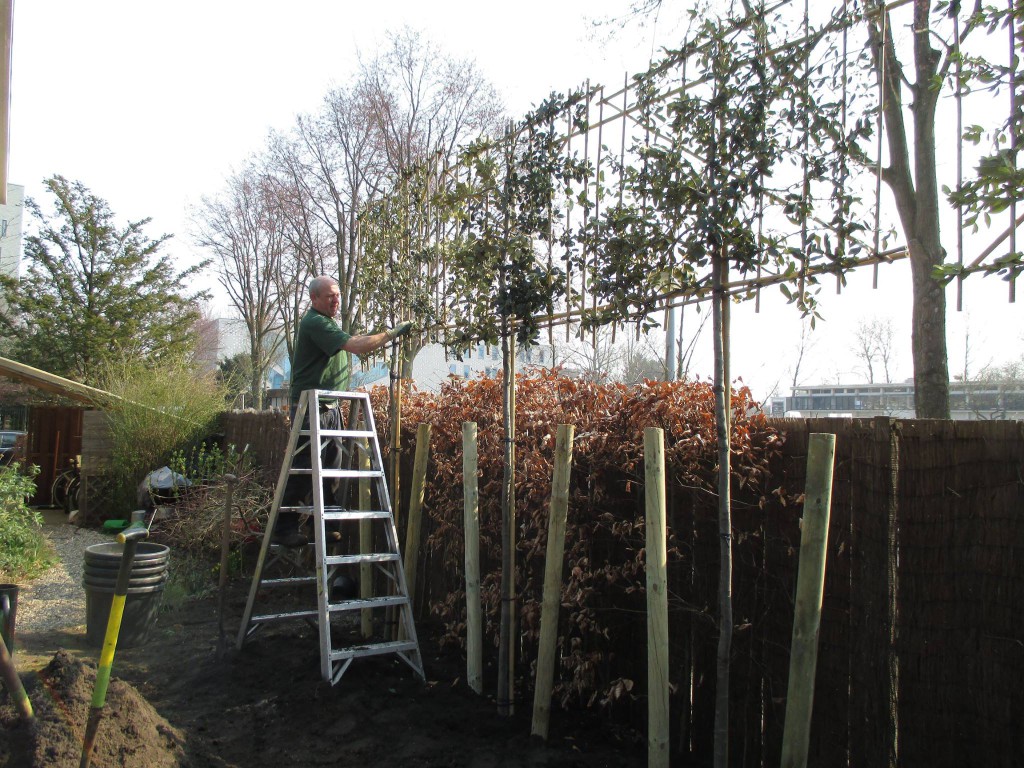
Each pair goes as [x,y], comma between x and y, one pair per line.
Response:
[145,591]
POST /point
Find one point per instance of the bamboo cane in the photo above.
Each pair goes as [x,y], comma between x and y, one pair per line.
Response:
[552,581]
[474,619]
[809,589]
[657,599]
[414,522]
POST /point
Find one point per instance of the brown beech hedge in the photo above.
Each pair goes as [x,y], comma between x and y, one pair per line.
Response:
[602,623]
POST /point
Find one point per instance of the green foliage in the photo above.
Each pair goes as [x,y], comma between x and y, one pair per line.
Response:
[235,373]
[997,181]
[23,550]
[207,461]
[160,409]
[498,277]
[94,291]
[703,190]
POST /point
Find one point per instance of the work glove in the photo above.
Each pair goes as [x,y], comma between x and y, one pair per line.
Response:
[399,330]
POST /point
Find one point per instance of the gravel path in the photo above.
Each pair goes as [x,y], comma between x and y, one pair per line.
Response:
[57,599]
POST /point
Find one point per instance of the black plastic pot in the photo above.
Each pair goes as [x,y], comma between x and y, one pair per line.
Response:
[145,591]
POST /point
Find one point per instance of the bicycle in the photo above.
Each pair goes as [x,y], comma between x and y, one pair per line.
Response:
[65,488]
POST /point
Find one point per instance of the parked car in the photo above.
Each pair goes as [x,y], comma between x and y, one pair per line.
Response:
[12,446]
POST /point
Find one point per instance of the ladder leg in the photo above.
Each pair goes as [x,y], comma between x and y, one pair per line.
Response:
[282,479]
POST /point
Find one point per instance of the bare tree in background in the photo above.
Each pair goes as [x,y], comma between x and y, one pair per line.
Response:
[596,361]
[246,239]
[309,243]
[206,350]
[640,361]
[873,343]
[804,345]
[425,103]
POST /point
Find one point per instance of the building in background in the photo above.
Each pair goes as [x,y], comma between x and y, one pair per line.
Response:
[11,227]
[972,401]
[434,365]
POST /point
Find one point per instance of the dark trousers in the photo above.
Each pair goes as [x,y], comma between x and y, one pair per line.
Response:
[298,490]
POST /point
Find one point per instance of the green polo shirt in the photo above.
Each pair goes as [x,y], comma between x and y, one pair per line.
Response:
[318,361]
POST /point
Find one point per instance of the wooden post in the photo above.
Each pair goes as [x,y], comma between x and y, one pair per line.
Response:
[810,585]
[471,505]
[657,599]
[552,581]
[414,524]
[365,542]
[225,550]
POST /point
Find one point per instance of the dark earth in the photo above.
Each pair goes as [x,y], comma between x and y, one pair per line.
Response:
[172,702]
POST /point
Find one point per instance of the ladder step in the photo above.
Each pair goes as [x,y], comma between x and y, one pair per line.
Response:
[288,615]
[372,602]
[341,513]
[356,514]
[289,581]
[339,472]
[373,649]
[343,433]
[378,557]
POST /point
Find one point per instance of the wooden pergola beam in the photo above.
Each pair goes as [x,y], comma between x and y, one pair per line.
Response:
[49,382]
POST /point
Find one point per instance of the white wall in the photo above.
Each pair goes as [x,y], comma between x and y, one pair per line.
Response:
[11,225]
[432,367]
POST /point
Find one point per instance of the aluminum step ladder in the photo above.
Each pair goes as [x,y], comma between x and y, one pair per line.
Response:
[357,441]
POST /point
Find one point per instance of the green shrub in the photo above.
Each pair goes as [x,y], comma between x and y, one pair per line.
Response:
[160,408]
[24,551]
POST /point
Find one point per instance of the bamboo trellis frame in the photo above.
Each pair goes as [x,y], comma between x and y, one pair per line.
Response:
[622,109]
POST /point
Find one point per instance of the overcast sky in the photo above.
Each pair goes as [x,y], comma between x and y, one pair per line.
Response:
[151,105]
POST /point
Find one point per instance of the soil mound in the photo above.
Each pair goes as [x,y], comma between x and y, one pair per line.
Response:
[131,733]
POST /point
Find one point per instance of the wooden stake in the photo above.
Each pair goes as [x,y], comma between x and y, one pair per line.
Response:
[225,550]
[657,599]
[474,618]
[414,524]
[552,581]
[810,585]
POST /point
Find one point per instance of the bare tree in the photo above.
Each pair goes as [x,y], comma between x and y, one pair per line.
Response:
[424,106]
[804,345]
[596,360]
[309,243]
[640,361]
[873,343]
[426,103]
[206,348]
[246,239]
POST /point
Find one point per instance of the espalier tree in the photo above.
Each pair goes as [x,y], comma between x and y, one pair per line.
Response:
[499,284]
[721,186]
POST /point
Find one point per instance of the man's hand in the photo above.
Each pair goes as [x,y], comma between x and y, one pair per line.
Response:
[399,330]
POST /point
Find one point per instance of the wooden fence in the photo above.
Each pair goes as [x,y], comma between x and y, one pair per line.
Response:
[921,655]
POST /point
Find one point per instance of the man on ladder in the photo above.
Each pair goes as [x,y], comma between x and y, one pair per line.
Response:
[321,376]
[321,361]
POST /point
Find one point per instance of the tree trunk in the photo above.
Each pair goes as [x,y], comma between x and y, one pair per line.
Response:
[928,334]
[722,418]
[915,189]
